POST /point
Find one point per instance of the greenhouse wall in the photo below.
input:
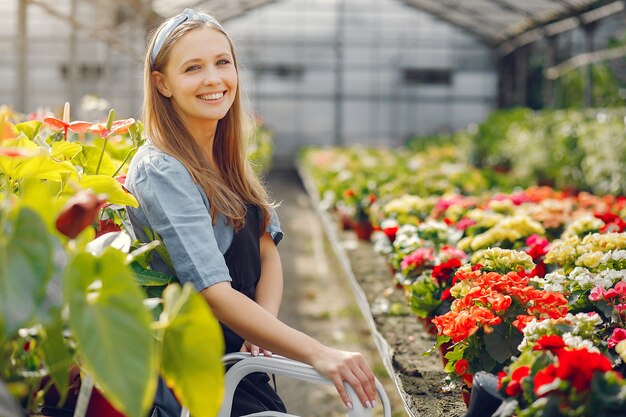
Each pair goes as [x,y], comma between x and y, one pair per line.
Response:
[102,70]
[361,71]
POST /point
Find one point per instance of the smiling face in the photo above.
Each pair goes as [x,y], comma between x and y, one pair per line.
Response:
[200,78]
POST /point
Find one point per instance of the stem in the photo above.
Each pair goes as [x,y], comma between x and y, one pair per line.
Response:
[106,140]
[130,153]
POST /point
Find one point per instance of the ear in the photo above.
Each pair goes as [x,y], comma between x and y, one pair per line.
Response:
[161,84]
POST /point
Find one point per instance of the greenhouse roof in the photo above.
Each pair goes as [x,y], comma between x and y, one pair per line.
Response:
[510,24]
[222,9]
[505,24]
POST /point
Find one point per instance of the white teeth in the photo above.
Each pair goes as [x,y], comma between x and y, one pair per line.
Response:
[214,96]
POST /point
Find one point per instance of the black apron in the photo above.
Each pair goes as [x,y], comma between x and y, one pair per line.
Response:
[243,258]
[254,393]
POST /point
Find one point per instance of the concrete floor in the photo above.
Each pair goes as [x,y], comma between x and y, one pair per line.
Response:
[318,299]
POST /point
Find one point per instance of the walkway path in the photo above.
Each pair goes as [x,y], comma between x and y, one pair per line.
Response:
[318,300]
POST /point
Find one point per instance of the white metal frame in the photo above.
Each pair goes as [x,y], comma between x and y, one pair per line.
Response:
[244,364]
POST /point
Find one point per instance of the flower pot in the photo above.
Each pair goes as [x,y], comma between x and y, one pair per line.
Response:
[429,326]
[466,394]
[363,229]
[443,349]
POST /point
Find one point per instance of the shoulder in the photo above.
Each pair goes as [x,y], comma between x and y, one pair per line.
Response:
[151,162]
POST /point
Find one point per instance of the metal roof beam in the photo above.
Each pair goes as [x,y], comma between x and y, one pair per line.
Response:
[560,26]
[456,18]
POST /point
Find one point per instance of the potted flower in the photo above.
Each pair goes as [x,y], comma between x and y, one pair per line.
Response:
[555,380]
[493,301]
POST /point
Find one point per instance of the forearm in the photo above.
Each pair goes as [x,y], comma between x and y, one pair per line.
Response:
[257,325]
[269,290]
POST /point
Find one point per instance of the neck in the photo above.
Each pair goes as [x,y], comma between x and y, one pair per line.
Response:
[204,136]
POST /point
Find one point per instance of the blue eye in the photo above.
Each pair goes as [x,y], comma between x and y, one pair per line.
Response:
[223,62]
[192,68]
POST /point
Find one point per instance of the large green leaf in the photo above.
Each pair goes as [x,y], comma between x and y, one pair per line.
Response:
[26,265]
[149,278]
[66,150]
[57,355]
[112,329]
[30,128]
[502,343]
[103,184]
[90,157]
[192,351]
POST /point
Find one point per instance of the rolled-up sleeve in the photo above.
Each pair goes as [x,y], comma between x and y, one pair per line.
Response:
[174,208]
[273,227]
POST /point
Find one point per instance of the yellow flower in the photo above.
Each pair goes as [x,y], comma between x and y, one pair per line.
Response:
[590,260]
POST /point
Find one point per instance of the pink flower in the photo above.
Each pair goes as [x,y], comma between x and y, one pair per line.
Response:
[617,336]
[417,258]
[597,294]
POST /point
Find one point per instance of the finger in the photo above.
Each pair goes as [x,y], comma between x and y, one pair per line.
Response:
[254,350]
[244,348]
[267,353]
[343,394]
[358,388]
[370,386]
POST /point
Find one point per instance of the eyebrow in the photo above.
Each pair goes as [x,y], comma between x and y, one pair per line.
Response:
[192,60]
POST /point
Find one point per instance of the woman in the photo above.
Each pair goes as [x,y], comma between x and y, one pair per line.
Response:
[197,191]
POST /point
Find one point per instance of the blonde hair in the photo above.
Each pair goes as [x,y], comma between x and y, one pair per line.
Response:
[235,184]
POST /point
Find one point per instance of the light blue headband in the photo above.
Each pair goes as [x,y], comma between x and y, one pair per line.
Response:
[173,23]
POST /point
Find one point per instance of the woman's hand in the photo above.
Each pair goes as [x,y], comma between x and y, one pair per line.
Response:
[340,366]
[254,349]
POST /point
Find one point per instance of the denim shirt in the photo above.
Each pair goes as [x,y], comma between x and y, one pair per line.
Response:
[174,206]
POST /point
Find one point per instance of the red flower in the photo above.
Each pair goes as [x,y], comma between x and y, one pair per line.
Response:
[78,213]
[578,366]
[75,126]
[553,343]
[348,193]
[107,226]
[443,272]
[445,295]
[391,232]
[544,377]
[117,127]
[461,366]
[537,246]
[514,387]
[464,223]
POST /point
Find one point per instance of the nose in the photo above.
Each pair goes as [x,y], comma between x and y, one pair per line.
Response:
[211,76]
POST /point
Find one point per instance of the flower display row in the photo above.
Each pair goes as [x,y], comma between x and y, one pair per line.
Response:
[498,276]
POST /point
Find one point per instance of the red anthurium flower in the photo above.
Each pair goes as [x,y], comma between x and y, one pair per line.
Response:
[107,226]
[75,126]
[78,213]
[14,152]
[118,127]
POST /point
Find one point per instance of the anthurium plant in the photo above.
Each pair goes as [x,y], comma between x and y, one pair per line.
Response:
[70,299]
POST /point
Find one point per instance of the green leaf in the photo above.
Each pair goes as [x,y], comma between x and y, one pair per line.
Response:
[66,150]
[149,278]
[103,184]
[112,329]
[57,355]
[30,129]
[192,351]
[89,160]
[41,197]
[26,265]
[502,343]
